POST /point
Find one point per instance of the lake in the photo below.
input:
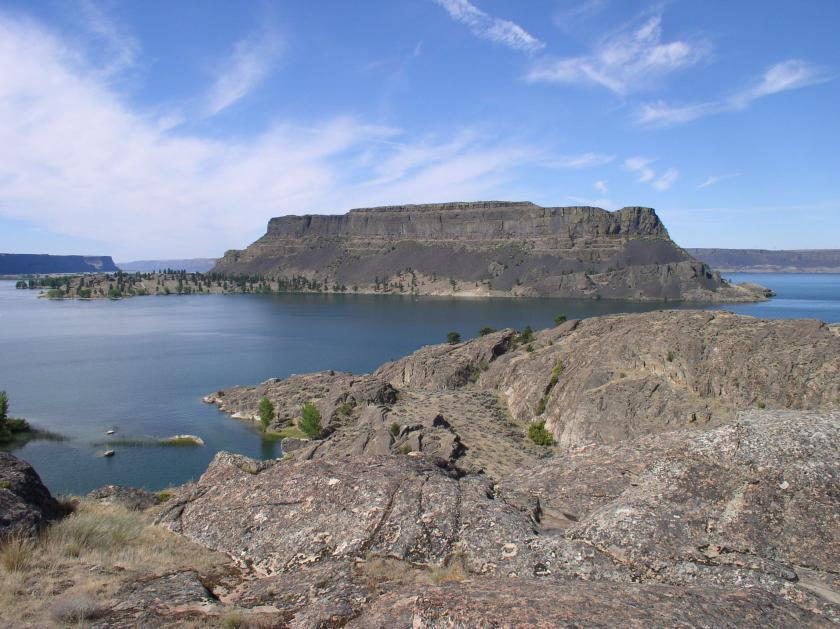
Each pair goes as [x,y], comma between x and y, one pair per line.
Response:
[140,366]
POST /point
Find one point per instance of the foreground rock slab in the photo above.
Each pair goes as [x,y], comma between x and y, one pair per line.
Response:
[531,603]
[746,514]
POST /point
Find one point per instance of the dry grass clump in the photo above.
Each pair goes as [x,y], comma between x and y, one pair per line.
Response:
[17,554]
[453,572]
[71,572]
[388,570]
[75,608]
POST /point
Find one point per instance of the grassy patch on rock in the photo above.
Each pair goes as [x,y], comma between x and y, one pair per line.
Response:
[73,569]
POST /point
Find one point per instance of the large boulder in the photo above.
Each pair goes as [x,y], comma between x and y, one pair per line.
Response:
[25,503]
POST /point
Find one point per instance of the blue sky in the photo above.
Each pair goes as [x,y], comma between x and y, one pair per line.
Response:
[175,129]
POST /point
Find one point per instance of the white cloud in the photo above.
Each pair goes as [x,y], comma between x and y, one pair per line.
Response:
[251,59]
[77,160]
[497,30]
[645,174]
[623,63]
[601,186]
[711,180]
[787,75]
[120,47]
[584,160]
[640,166]
[667,180]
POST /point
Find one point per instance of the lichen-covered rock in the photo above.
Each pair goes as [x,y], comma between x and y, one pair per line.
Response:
[335,394]
[439,367]
[752,503]
[129,497]
[531,603]
[25,504]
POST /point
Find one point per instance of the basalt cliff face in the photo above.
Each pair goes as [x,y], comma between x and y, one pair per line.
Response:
[486,248]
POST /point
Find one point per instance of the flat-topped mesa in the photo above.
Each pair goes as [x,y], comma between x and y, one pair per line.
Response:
[491,248]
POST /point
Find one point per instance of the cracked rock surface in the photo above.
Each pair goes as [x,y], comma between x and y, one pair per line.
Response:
[746,515]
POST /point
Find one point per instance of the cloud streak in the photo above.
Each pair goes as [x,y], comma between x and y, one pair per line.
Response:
[251,59]
[781,77]
[583,160]
[631,61]
[491,28]
[641,167]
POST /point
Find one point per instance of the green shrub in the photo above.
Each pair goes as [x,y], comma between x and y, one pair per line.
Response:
[560,319]
[4,484]
[4,406]
[453,338]
[394,429]
[541,405]
[486,330]
[266,412]
[555,375]
[527,335]
[310,420]
[344,409]
[529,348]
[539,435]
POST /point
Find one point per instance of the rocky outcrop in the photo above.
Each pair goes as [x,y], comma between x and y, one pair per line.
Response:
[25,504]
[484,248]
[737,522]
[131,498]
[531,603]
[598,380]
[626,375]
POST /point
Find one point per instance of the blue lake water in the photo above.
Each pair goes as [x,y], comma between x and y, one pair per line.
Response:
[141,365]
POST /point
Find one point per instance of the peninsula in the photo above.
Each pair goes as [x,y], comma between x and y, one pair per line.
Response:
[488,248]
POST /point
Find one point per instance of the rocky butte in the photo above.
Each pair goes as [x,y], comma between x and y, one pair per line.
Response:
[492,248]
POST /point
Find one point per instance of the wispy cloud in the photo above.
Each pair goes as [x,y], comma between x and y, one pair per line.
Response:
[666,180]
[120,46]
[641,167]
[630,61]
[583,160]
[787,75]
[250,61]
[711,180]
[78,160]
[491,28]
[601,186]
